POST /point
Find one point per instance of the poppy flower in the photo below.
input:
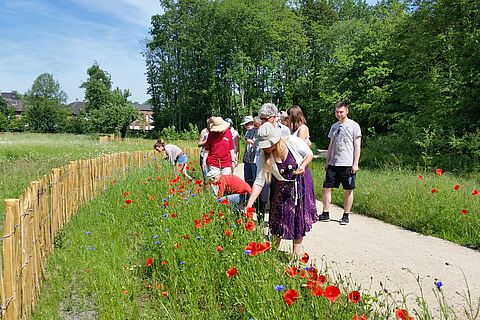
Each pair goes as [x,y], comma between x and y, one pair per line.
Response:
[232,272]
[125,291]
[256,248]
[439,172]
[221,215]
[152,198]
[164,262]
[475,192]
[147,286]
[305,258]
[219,248]
[125,194]
[464,211]
[291,271]
[149,261]
[290,296]
[420,178]
[177,245]
[240,221]
[357,317]
[457,186]
[354,296]
[249,212]
[250,225]
[206,219]
[164,293]
[128,201]
[198,182]
[402,314]
[332,293]
[157,285]
[227,233]
[225,201]
[434,190]
[186,237]
[317,291]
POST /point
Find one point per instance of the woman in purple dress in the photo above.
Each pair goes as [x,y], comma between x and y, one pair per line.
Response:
[284,161]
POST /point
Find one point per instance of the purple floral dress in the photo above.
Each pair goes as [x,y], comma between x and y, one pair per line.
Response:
[287,219]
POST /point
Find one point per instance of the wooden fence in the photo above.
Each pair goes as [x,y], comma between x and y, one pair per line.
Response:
[33,221]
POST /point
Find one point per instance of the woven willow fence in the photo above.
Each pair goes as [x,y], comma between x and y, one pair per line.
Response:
[33,221]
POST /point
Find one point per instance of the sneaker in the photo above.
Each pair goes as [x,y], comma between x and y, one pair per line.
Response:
[345,219]
[324,217]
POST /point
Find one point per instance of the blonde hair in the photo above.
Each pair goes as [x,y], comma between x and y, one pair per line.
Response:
[280,146]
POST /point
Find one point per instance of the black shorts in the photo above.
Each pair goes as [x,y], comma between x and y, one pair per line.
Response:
[337,175]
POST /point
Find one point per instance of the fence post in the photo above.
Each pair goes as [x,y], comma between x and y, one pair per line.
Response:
[12,209]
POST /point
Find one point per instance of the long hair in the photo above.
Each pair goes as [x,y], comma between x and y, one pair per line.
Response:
[296,117]
[280,146]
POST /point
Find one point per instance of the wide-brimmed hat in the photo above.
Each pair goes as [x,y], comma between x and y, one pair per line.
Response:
[217,124]
[213,174]
[246,120]
[268,135]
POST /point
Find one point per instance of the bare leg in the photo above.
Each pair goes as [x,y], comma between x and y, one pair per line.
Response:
[326,199]
[347,201]
[297,247]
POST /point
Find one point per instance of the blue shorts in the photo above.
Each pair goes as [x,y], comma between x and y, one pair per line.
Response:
[339,175]
[183,159]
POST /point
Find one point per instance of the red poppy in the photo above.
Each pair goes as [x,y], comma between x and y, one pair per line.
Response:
[249,212]
[305,258]
[250,225]
[332,293]
[186,237]
[457,186]
[420,177]
[219,248]
[174,215]
[317,291]
[149,261]
[206,219]
[464,211]
[227,233]
[239,221]
[164,293]
[434,190]
[225,201]
[157,285]
[402,314]
[291,271]
[232,272]
[290,296]
[177,245]
[147,286]
[439,172]
[354,296]
[125,194]
[128,201]
[125,291]
[256,248]
[212,212]
[198,182]
[164,262]
[322,279]
[475,192]
[357,317]
[221,215]
[152,198]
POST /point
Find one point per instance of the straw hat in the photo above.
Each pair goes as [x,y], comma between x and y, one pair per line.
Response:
[217,124]
[268,135]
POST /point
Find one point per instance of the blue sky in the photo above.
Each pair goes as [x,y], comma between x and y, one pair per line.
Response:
[65,37]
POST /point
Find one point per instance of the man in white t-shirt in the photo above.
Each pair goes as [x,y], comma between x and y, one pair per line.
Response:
[342,161]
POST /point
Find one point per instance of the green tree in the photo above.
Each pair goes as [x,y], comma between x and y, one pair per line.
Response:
[44,105]
[106,110]
[7,114]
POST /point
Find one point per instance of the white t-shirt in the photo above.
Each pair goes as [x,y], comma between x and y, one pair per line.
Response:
[342,137]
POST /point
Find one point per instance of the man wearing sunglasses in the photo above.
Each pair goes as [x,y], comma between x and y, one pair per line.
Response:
[268,113]
[342,161]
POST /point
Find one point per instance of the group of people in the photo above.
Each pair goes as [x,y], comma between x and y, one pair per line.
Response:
[276,159]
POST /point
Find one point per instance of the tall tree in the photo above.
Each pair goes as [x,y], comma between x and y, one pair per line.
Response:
[7,114]
[44,104]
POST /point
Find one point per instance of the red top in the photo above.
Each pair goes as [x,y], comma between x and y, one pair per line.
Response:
[231,184]
[219,145]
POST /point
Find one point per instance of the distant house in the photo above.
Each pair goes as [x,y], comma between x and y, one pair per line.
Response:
[13,100]
[75,107]
[146,123]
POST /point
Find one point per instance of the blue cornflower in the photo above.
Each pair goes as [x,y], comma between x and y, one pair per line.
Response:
[438,284]
[88,233]
[198,237]
[165,215]
[279,287]
[155,237]
[157,242]
[182,262]
[92,248]
[248,251]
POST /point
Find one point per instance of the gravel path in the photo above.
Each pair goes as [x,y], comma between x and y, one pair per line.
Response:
[371,252]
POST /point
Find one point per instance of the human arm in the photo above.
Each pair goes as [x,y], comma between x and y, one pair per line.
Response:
[356,153]
[234,158]
[204,160]
[304,134]
[301,168]
[256,190]
[329,153]
[202,140]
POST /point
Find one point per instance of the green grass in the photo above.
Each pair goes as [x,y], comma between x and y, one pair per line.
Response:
[25,157]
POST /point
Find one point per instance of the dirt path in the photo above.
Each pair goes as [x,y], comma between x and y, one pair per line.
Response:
[370,251]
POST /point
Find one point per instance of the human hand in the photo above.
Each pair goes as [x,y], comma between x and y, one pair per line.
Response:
[299,171]
[355,168]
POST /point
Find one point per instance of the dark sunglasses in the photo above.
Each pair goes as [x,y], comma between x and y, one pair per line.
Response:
[265,118]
